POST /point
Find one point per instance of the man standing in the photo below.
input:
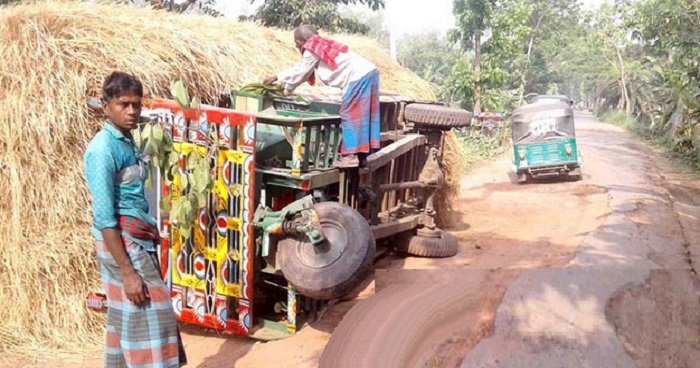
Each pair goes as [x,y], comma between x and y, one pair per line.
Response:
[141,326]
[339,67]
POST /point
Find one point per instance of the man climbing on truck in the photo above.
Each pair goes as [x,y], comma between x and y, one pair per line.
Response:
[337,66]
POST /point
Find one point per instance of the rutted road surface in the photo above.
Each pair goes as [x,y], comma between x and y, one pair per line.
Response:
[595,273]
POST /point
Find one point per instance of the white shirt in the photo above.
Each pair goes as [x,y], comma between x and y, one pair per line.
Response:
[350,67]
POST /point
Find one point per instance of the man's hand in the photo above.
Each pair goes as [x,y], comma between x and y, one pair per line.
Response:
[269,80]
[135,289]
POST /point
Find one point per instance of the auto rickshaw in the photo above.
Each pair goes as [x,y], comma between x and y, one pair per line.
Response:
[544,139]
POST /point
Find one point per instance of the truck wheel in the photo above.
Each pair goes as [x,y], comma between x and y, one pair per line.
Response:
[334,268]
[436,116]
[440,245]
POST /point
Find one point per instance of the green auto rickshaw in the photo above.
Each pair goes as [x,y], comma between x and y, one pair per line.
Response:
[544,139]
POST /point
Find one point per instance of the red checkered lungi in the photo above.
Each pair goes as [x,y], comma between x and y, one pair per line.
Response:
[144,336]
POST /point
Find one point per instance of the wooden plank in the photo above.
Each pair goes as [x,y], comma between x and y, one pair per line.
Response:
[336,141]
[374,205]
[409,172]
[383,176]
[317,147]
[392,228]
[326,146]
[342,191]
[403,168]
[394,150]
[392,179]
[391,135]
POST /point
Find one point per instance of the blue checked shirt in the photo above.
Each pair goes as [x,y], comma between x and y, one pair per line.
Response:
[115,178]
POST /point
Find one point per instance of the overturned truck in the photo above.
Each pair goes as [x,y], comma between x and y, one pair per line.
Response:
[280,231]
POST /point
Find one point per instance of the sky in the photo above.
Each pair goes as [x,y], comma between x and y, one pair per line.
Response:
[402,16]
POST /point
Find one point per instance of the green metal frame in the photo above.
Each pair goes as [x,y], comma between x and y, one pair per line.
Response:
[540,155]
[314,137]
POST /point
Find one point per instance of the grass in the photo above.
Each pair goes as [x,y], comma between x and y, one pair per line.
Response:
[476,151]
[663,140]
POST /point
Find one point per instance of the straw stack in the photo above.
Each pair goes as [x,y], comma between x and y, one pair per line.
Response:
[55,54]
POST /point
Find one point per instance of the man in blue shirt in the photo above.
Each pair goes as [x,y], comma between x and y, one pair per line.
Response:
[141,326]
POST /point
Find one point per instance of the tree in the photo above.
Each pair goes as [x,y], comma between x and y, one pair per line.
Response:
[321,13]
[472,20]
[546,20]
[374,20]
[429,55]
[517,32]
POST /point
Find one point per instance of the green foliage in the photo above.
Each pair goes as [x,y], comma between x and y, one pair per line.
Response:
[259,89]
[194,182]
[657,67]
[515,40]
[620,119]
[180,94]
[428,55]
[472,17]
[459,85]
[477,150]
[321,13]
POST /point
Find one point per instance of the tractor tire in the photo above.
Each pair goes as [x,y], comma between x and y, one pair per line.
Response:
[436,116]
[340,264]
[440,246]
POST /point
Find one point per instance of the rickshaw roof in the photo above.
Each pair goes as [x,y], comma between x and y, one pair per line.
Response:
[550,107]
[551,97]
[542,120]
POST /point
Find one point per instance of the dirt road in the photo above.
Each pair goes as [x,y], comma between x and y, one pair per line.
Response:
[595,273]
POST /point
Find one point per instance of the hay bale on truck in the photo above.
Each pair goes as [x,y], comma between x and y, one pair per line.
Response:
[55,54]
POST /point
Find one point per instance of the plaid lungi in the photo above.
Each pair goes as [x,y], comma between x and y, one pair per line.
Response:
[359,114]
[144,336]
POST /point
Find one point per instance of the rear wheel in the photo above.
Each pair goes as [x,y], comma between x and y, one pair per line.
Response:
[437,116]
[334,268]
[439,244]
[522,177]
[575,174]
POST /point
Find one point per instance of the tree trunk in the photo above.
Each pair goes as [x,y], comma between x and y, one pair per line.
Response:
[623,83]
[477,72]
[521,88]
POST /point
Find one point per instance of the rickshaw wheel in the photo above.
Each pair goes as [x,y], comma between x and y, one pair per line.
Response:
[440,245]
[334,268]
[522,177]
[575,174]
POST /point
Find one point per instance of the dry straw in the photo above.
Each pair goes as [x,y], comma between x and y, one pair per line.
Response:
[54,54]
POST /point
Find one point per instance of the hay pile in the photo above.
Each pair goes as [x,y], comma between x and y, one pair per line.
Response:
[55,54]
[454,168]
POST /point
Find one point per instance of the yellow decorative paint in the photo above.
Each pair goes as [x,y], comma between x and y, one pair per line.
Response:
[233,223]
[236,157]
[219,189]
[187,148]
